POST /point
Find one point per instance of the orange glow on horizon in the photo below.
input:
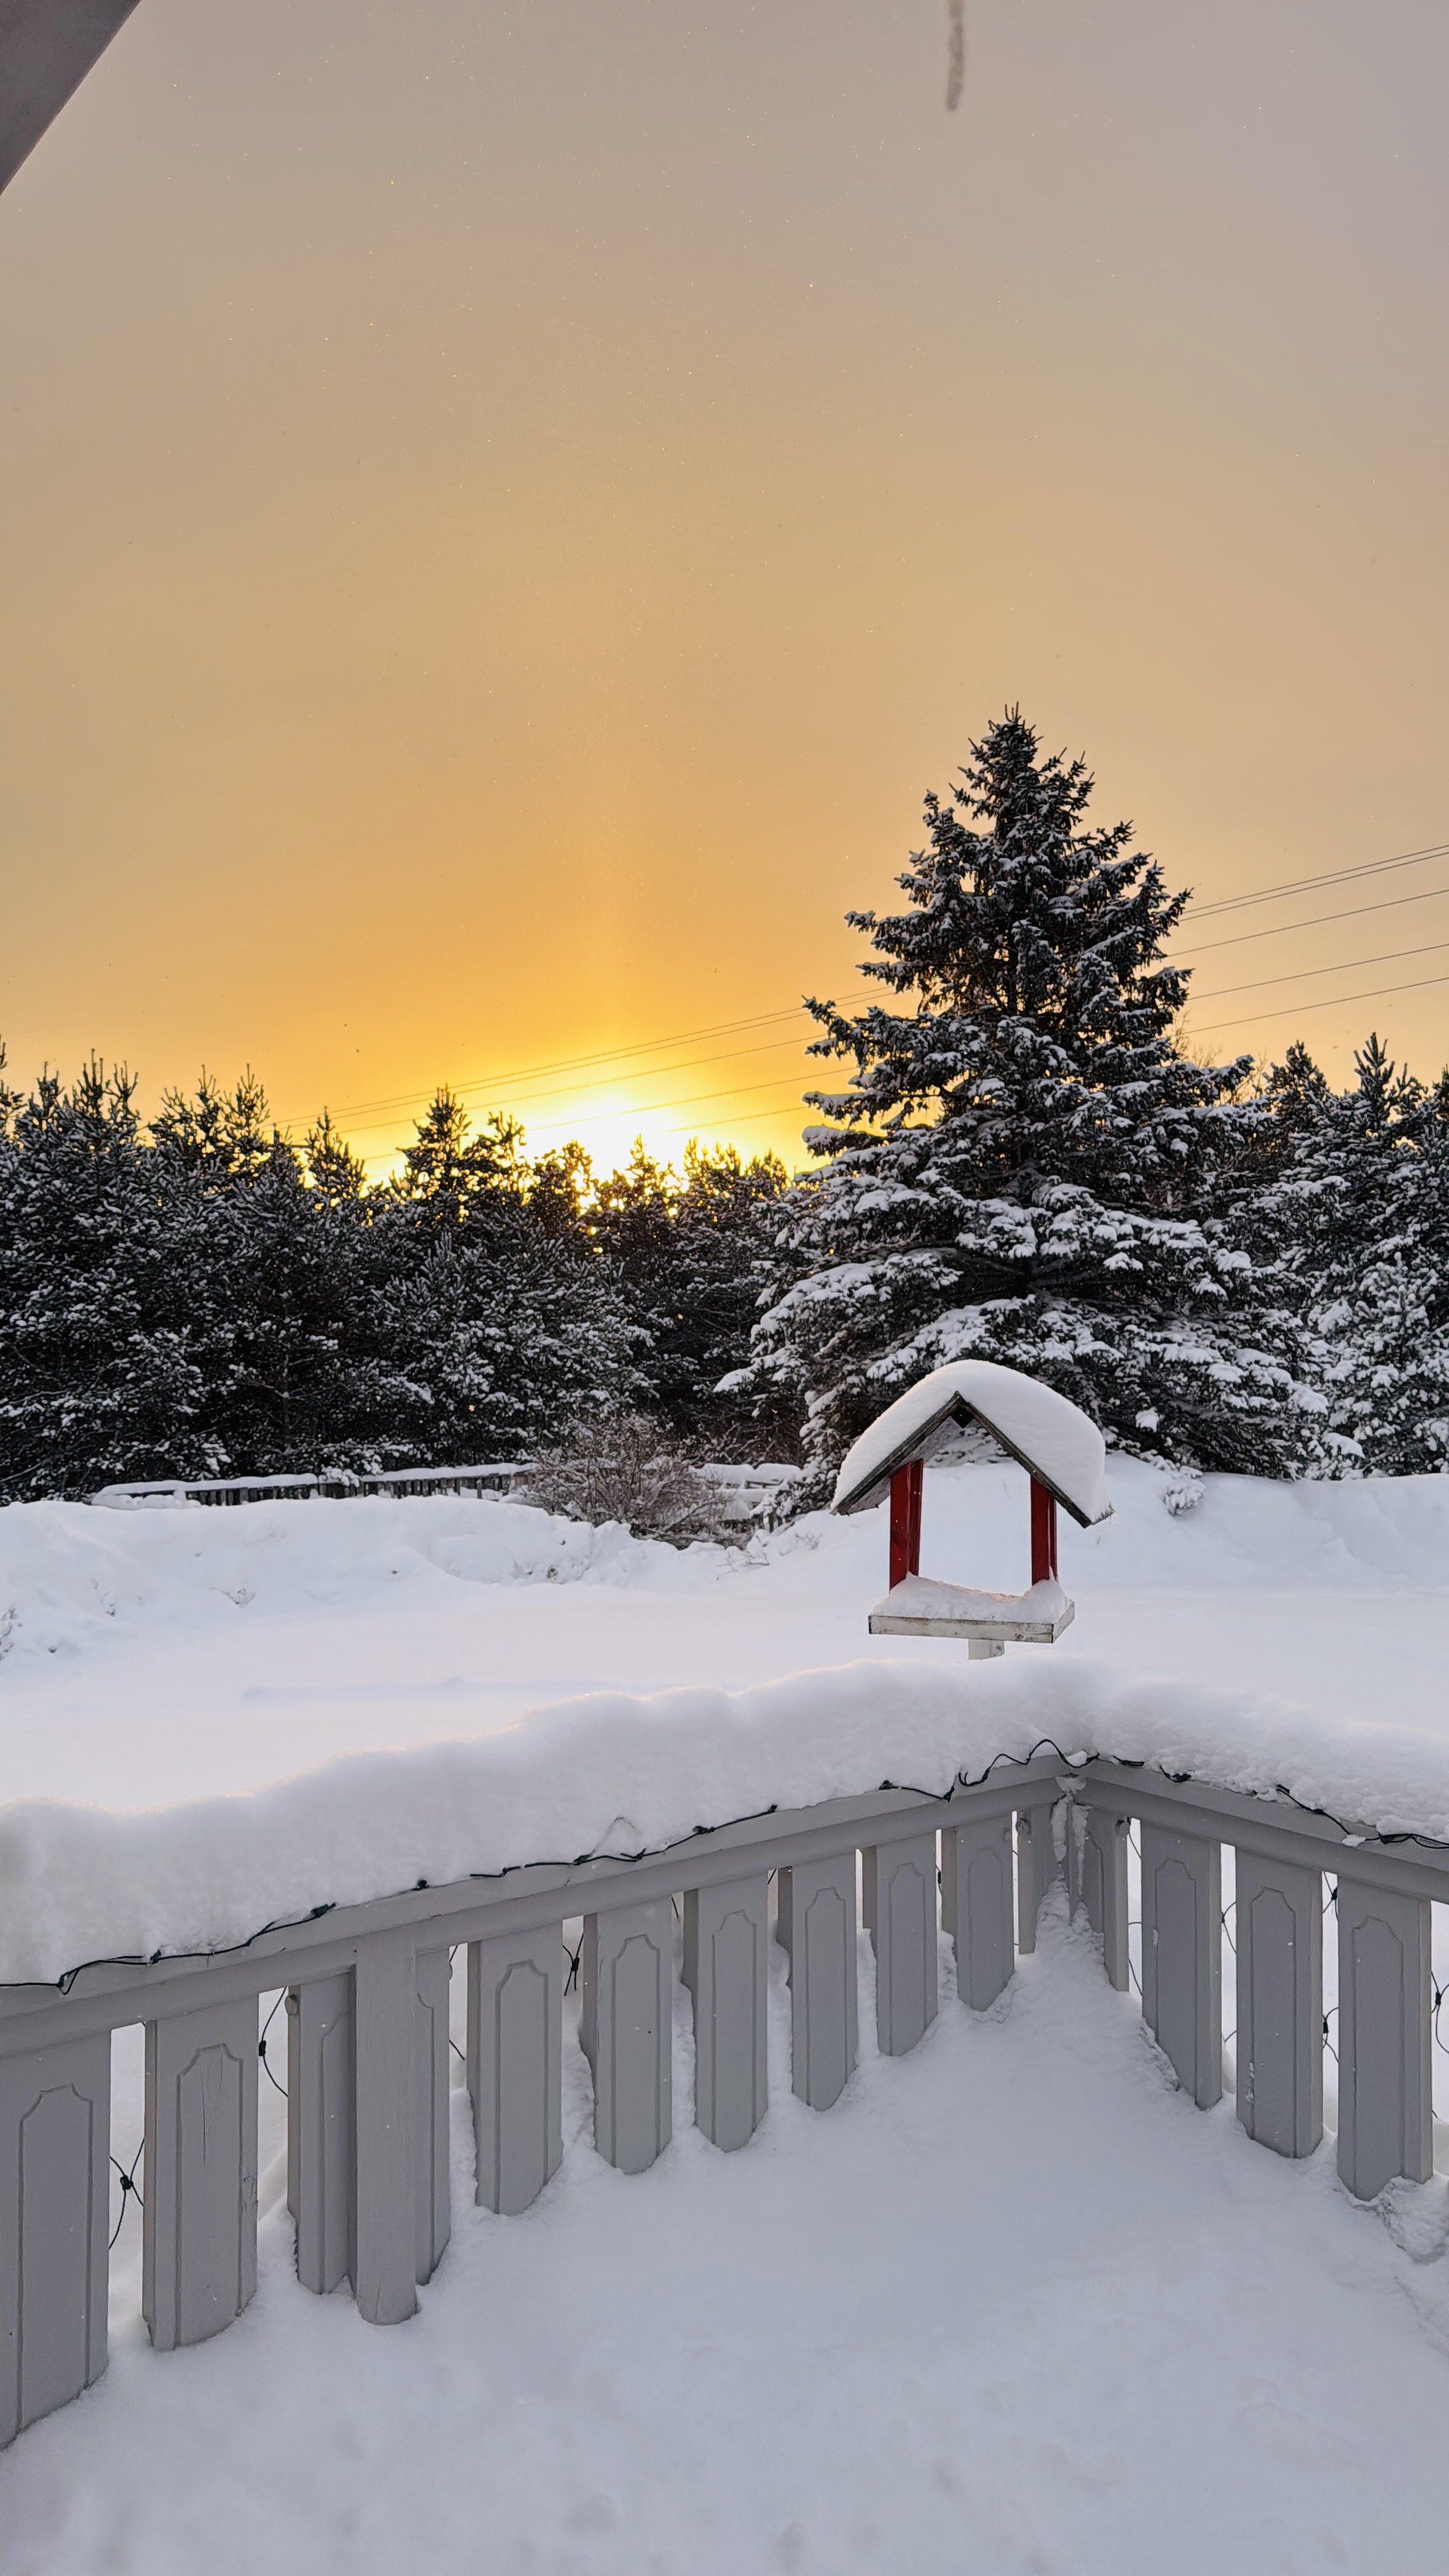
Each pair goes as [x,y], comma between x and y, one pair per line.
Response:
[506,514]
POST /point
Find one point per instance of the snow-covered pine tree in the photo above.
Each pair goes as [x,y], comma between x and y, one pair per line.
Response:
[1354,1234]
[495,1307]
[691,1256]
[1025,1165]
[106,1344]
[207,1299]
[503,1349]
[455,1182]
[338,1176]
[224,1137]
[560,1184]
[287,1285]
[722,1238]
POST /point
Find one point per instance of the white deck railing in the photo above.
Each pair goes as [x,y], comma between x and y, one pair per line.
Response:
[367,1998]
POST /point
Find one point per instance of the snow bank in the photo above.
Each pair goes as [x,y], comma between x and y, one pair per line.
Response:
[73,1579]
[210,1718]
[1053,1437]
[615,1773]
[68,1572]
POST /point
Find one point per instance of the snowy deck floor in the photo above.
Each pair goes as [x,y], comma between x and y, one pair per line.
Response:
[1012,2305]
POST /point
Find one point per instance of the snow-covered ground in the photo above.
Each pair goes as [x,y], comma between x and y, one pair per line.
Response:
[155,1656]
[1013,2304]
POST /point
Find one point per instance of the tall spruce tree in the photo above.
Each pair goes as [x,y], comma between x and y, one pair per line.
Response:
[1025,1165]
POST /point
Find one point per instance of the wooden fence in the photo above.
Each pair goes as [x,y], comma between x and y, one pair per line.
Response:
[749,1493]
[338,1484]
[367,1992]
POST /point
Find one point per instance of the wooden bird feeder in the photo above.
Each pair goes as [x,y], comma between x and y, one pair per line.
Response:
[1064,1456]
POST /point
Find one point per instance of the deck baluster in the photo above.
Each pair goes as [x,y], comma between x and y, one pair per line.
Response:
[627,1988]
[976,1907]
[515,2048]
[899,1888]
[1278,1931]
[816,1924]
[55,2139]
[321,2127]
[726,1951]
[199,2242]
[1182,1967]
[1385,2095]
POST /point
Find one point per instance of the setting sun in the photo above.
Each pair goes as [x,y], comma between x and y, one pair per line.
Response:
[739,1083]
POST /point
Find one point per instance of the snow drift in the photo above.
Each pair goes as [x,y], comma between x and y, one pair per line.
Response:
[209,1719]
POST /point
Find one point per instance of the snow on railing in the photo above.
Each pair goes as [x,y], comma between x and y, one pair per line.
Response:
[367,1983]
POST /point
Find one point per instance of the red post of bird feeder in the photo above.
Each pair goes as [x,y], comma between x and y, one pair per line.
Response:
[906,1486]
[1043,1534]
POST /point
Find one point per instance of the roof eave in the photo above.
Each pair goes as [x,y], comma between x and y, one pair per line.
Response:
[957,1408]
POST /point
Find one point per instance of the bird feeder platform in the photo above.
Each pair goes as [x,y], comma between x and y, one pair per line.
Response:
[917,1607]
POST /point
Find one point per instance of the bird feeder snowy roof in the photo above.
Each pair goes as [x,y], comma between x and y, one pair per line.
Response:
[1052,1438]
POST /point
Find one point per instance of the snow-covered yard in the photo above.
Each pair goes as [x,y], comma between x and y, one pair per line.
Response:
[1013,2304]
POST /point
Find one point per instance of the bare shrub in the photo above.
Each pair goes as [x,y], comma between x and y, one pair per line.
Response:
[625,1467]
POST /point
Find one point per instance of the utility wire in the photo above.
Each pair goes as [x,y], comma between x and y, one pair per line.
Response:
[1331,876]
[1341,966]
[647,1073]
[626,1058]
[687,1100]
[578,1063]
[1341,1001]
[1317,920]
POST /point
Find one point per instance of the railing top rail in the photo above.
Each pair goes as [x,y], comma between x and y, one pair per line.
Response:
[1415,1862]
[82,1884]
[114,1991]
[762,1480]
[111,1992]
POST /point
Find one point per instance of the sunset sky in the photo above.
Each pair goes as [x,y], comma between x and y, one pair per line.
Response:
[504,511]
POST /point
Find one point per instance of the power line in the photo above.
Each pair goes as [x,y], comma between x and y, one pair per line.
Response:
[626,1058]
[1343,966]
[1332,876]
[686,1100]
[649,1073]
[1318,920]
[576,1064]
[1340,1003]
[751,1118]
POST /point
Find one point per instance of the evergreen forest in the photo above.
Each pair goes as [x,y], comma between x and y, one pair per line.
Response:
[1016,1155]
